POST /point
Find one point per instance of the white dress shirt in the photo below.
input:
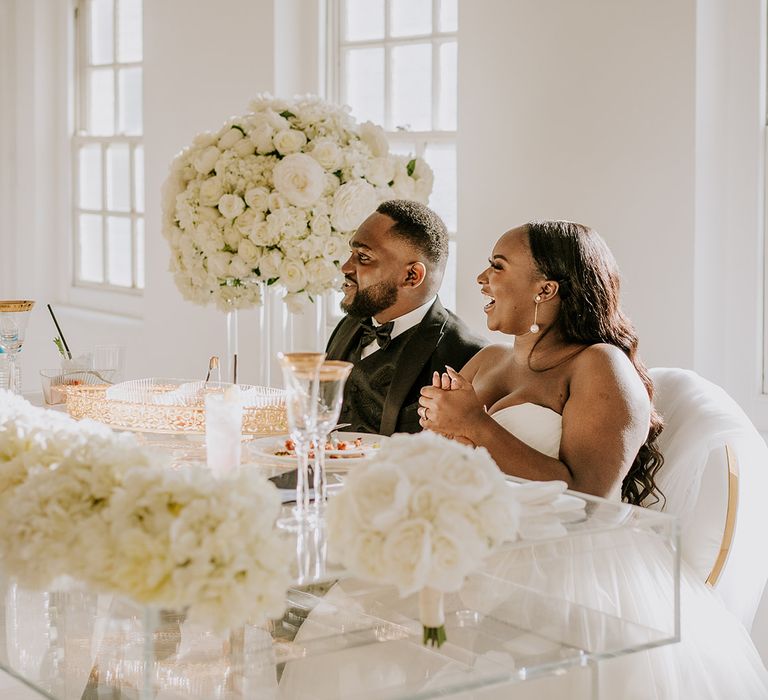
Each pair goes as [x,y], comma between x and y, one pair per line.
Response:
[402,324]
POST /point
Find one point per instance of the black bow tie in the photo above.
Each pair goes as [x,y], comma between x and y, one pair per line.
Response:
[381,334]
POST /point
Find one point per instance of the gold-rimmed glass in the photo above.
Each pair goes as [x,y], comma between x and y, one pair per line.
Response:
[14,316]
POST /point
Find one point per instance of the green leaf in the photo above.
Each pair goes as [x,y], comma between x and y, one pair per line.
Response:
[287,114]
[240,129]
[228,249]
[271,281]
[411,167]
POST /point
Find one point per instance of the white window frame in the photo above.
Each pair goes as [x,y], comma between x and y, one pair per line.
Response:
[124,300]
[418,140]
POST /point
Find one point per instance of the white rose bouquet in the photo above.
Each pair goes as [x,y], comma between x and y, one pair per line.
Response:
[273,196]
[421,515]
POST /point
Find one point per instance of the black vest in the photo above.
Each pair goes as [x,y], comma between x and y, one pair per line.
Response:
[368,385]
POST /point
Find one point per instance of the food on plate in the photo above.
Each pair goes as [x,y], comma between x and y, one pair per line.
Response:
[354,448]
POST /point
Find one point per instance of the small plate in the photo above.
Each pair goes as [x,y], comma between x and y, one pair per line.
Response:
[268,448]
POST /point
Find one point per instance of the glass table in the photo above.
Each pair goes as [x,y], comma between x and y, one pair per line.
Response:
[537,609]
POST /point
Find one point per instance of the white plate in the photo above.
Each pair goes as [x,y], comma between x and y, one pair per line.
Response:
[268,447]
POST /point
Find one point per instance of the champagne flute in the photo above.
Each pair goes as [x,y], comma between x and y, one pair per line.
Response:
[333,377]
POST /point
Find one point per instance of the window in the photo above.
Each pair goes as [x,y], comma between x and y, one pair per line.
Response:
[107,149]
[394,63]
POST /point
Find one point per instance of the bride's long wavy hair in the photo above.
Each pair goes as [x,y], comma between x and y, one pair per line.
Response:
[579,260]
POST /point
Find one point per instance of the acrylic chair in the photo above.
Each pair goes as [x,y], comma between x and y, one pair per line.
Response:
[715,478]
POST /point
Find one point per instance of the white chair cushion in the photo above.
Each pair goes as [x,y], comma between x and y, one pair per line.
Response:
[700,419]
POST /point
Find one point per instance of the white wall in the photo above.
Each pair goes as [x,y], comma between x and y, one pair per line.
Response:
[567,112]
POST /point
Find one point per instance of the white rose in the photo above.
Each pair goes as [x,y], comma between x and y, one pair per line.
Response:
[449,563]
[232,237]
[231,205]
[332,183]
[500,518]
[381,495]
[336,248]
[296,303]
[374,137]
[218,264]
[270,264]
[211,191]
[244,147]
[462,475]
[380,171]
[320,226]
[208,214]
[262,234]
[238,268]
[276,201]
[327,153]
[261,137]
[407,555]
[293,275]
[462,520]
[300,178]
[352,204]
[206,160]
[366,556]
[249,252]
[426,498]
[246,220]
[229,138]
[289,141]
[257,198]
[322,273]
[204,140]
[405,186]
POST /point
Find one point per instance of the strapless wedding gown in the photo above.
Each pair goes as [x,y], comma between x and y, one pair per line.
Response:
[715,660]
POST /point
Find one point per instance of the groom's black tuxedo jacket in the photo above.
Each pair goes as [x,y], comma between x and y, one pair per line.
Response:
[407,364]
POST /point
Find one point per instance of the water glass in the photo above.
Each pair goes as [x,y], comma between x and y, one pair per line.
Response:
[301,373]
[333,377]
[223,430]
[109,361]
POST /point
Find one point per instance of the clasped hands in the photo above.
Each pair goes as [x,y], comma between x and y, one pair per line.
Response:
[449,406]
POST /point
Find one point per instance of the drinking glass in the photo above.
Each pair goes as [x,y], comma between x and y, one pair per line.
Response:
[109,361]
[14,316]
[223,430]
[301,374]
[333,377]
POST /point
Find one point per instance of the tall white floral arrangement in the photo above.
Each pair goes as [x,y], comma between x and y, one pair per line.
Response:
[274,195]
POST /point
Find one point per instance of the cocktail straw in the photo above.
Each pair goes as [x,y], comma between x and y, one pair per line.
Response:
[61,335]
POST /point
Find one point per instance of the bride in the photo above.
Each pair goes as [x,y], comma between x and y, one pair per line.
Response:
[571,400]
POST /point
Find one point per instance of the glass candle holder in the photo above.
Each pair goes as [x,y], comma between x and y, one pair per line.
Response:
[223,430]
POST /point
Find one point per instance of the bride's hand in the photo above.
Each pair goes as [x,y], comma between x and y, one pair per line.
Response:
[449,405]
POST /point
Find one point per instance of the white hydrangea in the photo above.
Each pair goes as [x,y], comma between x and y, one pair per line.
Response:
[293,179]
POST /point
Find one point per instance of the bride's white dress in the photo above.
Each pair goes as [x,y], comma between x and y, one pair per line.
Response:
[715,659]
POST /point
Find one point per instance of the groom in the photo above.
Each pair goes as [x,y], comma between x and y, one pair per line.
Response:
[396,331]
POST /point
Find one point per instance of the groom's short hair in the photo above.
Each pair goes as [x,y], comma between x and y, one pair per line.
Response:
[420,226]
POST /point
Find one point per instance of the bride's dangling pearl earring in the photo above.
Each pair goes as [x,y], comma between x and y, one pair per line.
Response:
[535,326]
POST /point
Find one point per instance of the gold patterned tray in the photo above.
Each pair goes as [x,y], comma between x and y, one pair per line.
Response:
[173,406]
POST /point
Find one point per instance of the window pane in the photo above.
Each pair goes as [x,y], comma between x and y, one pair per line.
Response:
[129,80]
[118,177]
[129,30]
[138,177]
[120,254]
[140,253]
[101,109]
[446,117]
[449,15]
[364,86]
[442,159]
[91,249]
[410,17]
[448,288]
[89,182]
[363,19]
[101,32]
[412,87]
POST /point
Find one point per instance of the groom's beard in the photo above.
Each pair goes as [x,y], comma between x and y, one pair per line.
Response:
[372,300]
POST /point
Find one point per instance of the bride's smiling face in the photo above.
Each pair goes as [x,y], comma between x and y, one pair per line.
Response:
[510,283]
